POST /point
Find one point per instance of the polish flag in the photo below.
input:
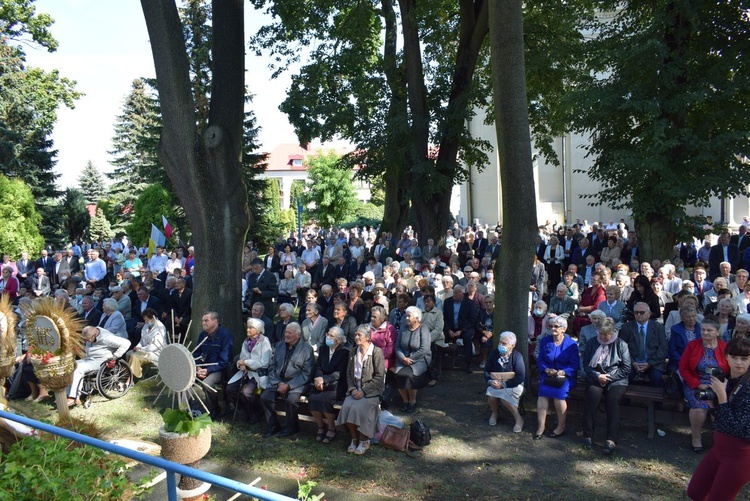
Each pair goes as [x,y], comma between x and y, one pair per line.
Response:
[167,226]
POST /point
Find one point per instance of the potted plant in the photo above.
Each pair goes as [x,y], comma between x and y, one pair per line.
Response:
[185,437]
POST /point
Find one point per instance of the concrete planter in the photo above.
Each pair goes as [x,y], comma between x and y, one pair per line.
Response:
[184,448]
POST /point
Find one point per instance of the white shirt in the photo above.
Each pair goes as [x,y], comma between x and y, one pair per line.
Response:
[157,263]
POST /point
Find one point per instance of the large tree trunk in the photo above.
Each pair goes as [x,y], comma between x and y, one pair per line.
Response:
[432,201]
[396,211]
[656,237]
[513,271]
[205,169]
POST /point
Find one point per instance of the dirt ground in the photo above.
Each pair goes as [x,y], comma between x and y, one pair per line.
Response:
[468,459]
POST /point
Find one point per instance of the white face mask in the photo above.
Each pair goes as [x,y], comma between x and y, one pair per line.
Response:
[538,312]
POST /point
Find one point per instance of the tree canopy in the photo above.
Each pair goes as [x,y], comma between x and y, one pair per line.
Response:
[91,183]
[19,231]
[74,214]
[666,110]
[148,209]
[330,195]
[29,100]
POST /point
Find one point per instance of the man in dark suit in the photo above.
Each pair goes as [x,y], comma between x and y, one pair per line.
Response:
[597,241]
[45,262]
[341,270]
[493,248]
[26,270]
[145,300]
[724,251]
[460,315]
[647,345]
[540,248]
[72,262]
[326,274]
[57,267]
[480,245]
[262,287]
[180,306]
[578,256]
[288,377]
[741,240]
[90,314]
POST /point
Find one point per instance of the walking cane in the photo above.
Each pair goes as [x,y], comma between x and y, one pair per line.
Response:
[237,399]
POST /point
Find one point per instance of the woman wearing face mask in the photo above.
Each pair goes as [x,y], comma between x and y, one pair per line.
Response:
[606,362]
[505,373]
[147,350]
[723,472]
[537,325]
[329,383]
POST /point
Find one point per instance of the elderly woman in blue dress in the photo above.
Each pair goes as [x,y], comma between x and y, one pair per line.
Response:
[558,364]
[413,355]
[505,373]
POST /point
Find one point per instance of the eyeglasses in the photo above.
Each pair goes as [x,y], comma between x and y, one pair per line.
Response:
[640,312]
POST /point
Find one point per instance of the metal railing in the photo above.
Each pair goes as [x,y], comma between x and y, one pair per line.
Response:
[168,466]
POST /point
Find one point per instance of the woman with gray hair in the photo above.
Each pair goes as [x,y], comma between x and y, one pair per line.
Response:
[365,379]
[606,361]
[253,362]
[505,374]
[112,320]
[558,363]
[329,383]
[286,314]
[413,355]
[741,327]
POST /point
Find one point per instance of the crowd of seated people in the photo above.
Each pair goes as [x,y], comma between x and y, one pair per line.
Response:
[349,317]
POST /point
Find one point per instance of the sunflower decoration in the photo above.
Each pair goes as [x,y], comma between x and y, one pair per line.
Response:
[7,339]
[54,340]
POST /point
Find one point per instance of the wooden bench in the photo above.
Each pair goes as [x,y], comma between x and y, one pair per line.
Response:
[304,412]
[648,394]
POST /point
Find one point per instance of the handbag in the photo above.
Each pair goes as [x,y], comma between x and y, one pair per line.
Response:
[395,438]
[555,382]
[673,387]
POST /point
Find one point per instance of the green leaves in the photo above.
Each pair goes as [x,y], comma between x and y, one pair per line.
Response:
[19,231]
[41,468]
[182,422]
[330,189]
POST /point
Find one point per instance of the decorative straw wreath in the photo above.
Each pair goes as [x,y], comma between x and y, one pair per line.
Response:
[7,337]
[54,341]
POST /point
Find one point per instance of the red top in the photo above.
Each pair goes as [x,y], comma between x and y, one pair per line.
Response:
[692,356]
[11,287]
[593,297]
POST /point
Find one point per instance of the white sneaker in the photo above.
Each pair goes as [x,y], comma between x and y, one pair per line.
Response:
[352,447]
[362,448]
[493,421]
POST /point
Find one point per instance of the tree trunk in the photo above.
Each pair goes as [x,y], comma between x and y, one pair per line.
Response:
[396,211]
[656,237]
[205,169]
[432,201]
[513,268]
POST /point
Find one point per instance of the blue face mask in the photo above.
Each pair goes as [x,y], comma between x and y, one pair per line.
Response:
[502,349]
[330,342]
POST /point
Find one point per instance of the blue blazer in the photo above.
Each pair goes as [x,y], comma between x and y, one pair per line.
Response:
[677,343]
[567,358]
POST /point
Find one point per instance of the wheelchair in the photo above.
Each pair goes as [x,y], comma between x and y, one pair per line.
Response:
[112,380]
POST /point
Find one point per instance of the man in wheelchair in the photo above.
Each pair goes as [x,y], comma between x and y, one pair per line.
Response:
[101,345]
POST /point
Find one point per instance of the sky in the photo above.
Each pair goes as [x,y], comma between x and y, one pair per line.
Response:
[103,46]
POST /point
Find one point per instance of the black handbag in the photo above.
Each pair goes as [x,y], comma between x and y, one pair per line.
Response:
[673,387]
[554,382]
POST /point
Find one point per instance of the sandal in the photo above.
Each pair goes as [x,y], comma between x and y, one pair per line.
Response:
[329,438]
[72,402]
[321,434]
[353,446]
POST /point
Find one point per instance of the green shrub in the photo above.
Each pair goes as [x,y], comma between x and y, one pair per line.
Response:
[50,468]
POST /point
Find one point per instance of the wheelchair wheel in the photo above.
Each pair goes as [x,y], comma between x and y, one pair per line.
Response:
[115,382]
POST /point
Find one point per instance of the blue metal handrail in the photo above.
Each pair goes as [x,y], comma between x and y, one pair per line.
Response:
[170,467]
